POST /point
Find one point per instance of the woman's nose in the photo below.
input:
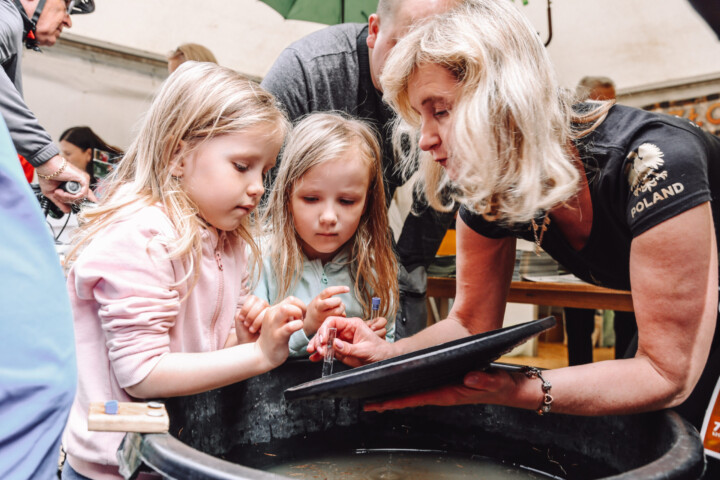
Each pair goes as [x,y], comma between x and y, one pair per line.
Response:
[428,137]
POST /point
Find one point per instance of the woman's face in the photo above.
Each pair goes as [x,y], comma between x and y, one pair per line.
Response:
[76,155]
[432,90]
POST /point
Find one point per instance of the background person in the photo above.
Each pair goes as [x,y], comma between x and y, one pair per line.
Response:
[338,68]
[78,145]
[189,51]
[34,23]
[595,88]
[622,189]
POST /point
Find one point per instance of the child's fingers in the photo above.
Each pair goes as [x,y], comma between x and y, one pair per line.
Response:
[381,332]
[285,312]
[329,304]
[377,323]
[257,322]
[294,301]
[292,326]
[254,318]
[334,290]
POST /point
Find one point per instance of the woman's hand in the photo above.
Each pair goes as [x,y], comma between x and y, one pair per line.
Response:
[355,344]
[279,322]
[323,306]
[489,387]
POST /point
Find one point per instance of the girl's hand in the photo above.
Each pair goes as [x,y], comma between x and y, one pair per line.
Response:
[279,322]
[490,387]
[250,316]
[355,344]
[322,307]
[378,326]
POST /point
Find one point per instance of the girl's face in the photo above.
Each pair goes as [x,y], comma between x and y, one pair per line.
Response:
[224,175]
[432,91]
[327,203]
[76,155]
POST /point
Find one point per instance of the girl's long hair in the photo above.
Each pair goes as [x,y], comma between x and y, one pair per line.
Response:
[511,119]
[317,139]
[198,102]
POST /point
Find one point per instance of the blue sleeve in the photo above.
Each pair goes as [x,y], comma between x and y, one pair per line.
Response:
[37,361]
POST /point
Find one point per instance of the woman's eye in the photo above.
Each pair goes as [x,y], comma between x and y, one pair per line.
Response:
[441,113]
[241,168]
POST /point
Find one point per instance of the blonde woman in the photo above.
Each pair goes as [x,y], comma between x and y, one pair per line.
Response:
[613,193]
[162,267]
[329,240]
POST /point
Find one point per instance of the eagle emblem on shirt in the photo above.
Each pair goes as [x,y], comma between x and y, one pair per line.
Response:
[643,168]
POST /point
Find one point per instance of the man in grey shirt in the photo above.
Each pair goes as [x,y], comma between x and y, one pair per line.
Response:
[338,68]
[35,23]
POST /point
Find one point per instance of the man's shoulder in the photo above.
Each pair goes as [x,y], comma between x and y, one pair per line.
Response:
[11,28]
[333,40]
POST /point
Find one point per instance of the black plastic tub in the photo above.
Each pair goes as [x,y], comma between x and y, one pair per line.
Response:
[235,432]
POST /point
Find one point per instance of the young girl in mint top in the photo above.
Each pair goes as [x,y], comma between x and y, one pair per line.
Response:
[329,243]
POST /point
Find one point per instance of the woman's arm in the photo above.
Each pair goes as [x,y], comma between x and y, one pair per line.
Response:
[674,277]
[484,272]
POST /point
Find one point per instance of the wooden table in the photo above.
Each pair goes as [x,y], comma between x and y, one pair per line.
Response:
[579,295]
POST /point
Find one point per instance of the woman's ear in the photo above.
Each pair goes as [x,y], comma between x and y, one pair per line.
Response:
[177,164]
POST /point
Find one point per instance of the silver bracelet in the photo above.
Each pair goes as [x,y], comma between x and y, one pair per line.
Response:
[532,372]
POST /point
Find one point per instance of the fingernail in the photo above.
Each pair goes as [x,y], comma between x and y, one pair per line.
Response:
[339,345]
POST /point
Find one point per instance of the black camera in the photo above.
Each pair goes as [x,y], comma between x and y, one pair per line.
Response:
[48,207]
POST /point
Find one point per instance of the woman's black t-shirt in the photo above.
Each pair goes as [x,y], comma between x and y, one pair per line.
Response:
[642,169]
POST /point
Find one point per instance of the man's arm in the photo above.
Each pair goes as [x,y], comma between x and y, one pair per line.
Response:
[30,139]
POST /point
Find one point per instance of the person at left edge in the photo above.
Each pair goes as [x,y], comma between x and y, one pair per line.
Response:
[37,360]
[35,23]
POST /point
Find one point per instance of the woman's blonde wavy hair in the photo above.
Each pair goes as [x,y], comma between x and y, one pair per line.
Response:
[198,102]
[317,139]
[511,120]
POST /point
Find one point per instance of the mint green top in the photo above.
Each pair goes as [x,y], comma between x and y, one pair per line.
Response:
[315,278]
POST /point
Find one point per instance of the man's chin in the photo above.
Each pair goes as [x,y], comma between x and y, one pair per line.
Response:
[48,41]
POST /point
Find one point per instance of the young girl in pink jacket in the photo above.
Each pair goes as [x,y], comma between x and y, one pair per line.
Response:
[162,268]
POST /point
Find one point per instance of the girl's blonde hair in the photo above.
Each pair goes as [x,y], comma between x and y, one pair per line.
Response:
[319,138]
[511,119]
[198,102]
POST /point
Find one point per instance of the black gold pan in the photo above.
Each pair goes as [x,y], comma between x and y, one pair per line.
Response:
[442,364]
